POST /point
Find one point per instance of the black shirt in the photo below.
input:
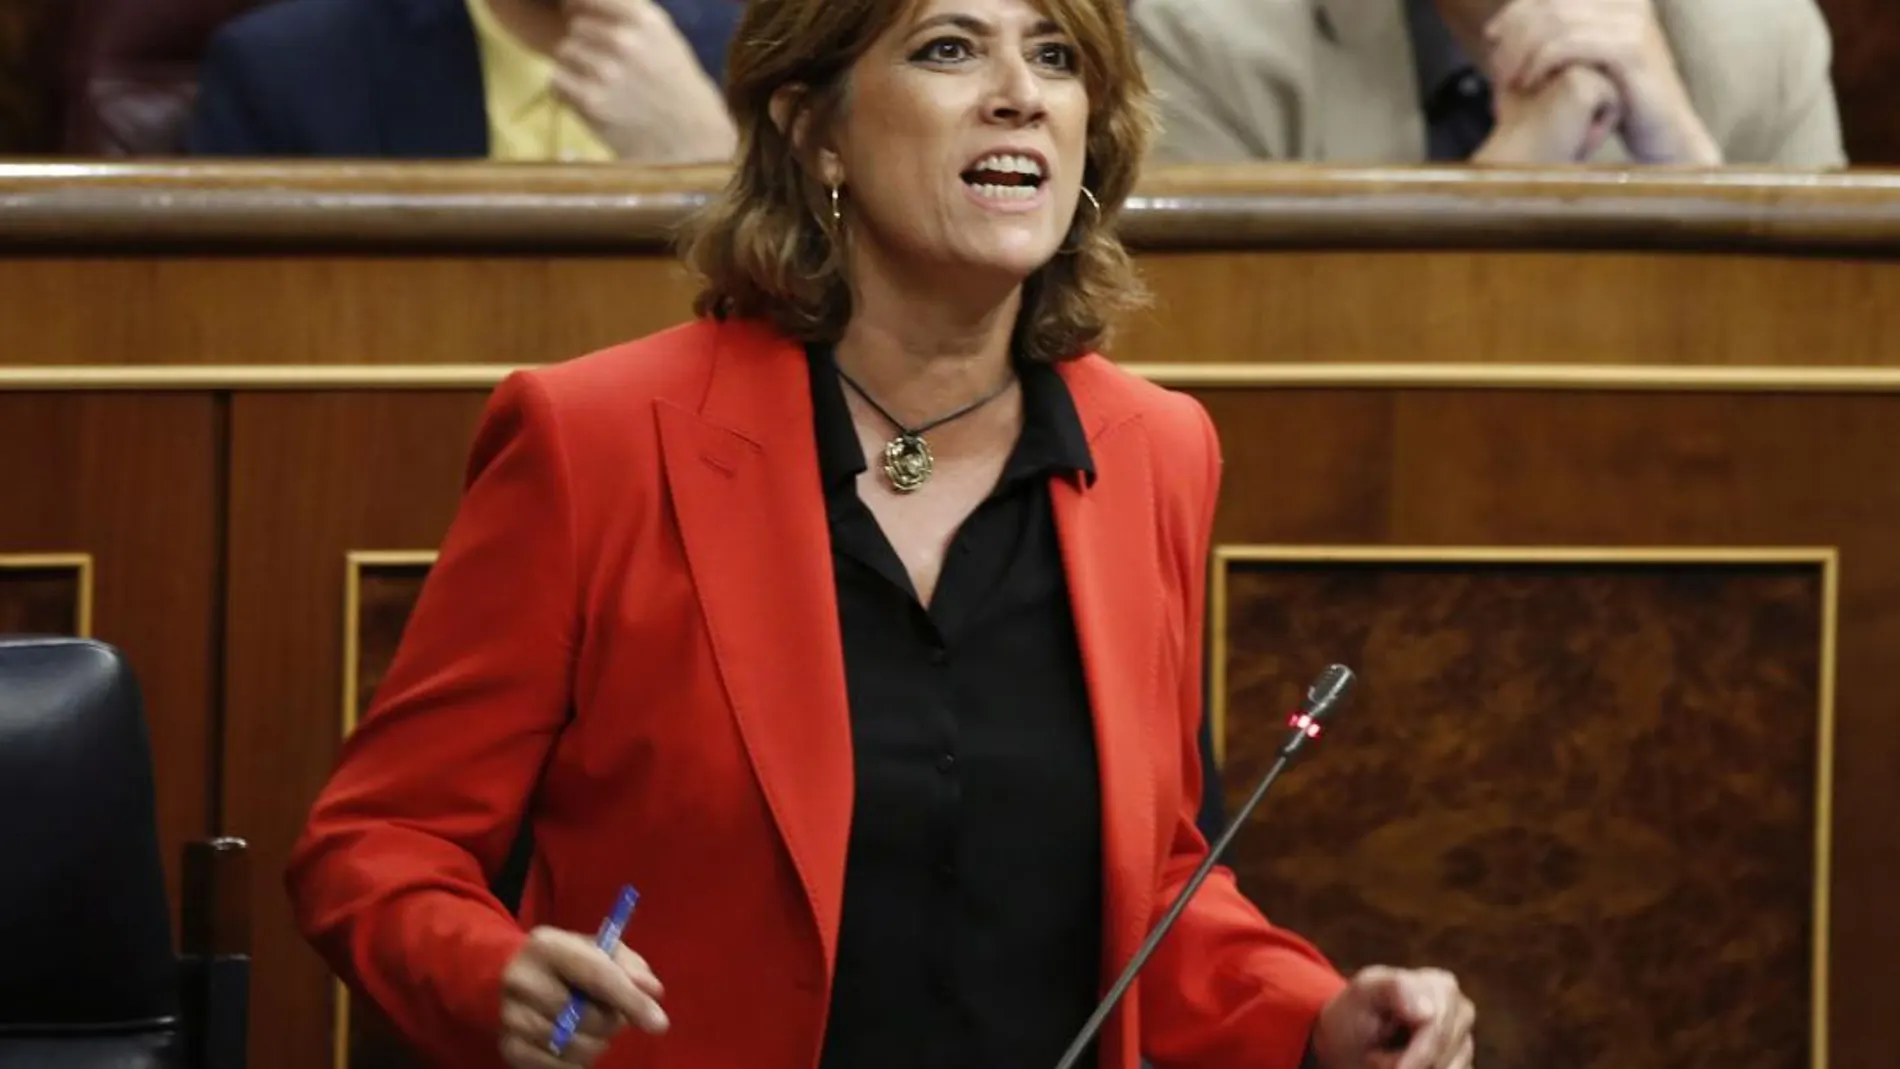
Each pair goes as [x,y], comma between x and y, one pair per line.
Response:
[971,928]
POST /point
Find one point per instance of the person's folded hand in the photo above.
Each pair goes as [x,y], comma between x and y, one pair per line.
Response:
[1535,41]
[1565,119]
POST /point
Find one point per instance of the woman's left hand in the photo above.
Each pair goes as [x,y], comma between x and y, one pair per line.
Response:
[1396,1019]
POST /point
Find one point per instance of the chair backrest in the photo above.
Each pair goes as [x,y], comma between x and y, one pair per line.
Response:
[132,72]
[90,976]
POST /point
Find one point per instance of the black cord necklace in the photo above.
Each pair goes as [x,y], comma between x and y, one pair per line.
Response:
[907,459]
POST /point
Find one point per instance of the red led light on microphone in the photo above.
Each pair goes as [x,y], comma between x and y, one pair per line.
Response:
[1305,723]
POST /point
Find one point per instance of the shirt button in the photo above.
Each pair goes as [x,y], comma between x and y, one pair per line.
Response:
[946,763]
[1470,86]
[939,655]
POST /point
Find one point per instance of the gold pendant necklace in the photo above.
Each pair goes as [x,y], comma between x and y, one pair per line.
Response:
[908,463]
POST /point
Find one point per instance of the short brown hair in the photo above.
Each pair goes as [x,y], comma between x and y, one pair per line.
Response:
[760,247]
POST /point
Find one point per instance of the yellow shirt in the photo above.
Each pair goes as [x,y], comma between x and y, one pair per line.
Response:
[525,119]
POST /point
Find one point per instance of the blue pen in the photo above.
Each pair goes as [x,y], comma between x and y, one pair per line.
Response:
[605,939]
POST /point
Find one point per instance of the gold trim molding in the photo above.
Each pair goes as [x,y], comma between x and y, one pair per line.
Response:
[1826,559]
[80,564]
[355,562]
[1673,378]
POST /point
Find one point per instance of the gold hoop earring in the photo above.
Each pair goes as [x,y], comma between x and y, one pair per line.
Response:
[833,234]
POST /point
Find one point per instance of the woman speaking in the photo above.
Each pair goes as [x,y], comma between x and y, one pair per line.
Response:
[856,625]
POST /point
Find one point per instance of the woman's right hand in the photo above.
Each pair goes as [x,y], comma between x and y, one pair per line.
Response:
[620,990]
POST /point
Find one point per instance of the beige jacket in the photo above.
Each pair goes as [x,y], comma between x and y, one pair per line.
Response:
[1335,80]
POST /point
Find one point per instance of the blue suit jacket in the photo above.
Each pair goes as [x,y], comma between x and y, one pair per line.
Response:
[371,79]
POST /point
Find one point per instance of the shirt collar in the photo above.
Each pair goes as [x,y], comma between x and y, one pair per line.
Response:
[516,76]
[1052,439]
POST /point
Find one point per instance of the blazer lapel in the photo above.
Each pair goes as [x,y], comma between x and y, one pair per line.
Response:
[1109,557]
[1365,84]
[429,91]
[743,477]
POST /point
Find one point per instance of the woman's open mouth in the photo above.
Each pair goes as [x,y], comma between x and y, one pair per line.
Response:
[1006,177]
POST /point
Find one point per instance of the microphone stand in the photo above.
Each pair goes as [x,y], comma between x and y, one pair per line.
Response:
[1326,693]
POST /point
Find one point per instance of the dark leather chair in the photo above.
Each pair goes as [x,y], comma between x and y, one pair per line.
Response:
[132,72]
[89,977]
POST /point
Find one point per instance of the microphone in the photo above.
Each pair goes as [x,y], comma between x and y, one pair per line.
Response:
[1307,724]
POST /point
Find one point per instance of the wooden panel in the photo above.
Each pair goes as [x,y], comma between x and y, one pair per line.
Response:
[129,482]
[373,272]
[314,477]
[329,310]
[46,594]
[1454,307]
[1645,309]
[1508,468]
[1589,788]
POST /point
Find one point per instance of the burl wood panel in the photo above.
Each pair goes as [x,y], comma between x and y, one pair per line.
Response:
[386,593]
[131,480]
[313,477]
[39,600]
[1589,790]
[1531,468]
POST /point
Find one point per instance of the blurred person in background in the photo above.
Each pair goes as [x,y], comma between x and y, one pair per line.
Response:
[1688,82]
[539,80]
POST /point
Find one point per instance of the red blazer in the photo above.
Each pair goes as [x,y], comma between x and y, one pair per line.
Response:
[637,592]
